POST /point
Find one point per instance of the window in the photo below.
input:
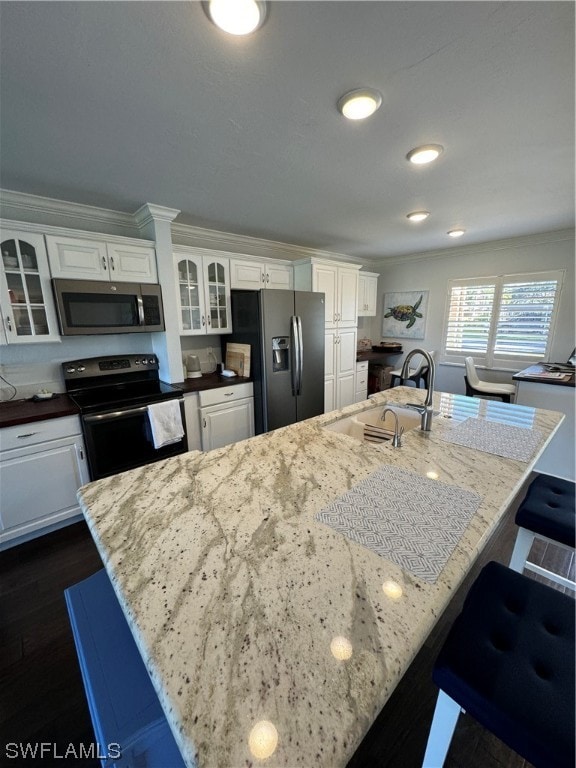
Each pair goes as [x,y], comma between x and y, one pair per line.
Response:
[502,320]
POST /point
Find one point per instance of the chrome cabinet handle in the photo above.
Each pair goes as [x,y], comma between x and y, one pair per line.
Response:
[229,394]
[27,434]
[104,263]
[112,262]
[267,278]
[203,321]
[8,323]
[263,277]
[204,423]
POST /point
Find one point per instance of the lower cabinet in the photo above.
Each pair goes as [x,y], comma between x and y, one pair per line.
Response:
[42,465]
[361,381]
[218,417]
[339,368]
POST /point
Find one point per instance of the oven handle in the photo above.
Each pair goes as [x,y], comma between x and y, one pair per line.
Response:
[98,417]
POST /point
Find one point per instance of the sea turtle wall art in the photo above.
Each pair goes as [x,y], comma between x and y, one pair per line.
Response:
[405,314]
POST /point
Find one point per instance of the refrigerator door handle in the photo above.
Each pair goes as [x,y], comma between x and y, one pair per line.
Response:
[299,355]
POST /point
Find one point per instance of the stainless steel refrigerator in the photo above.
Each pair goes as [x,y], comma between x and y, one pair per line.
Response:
[285,330]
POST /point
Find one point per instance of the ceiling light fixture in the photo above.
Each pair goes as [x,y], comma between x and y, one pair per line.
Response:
[360,103]
[456,232]
[418,215]
[425,154]
[237,17]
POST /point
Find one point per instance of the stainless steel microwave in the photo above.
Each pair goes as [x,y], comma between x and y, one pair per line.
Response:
[88,307]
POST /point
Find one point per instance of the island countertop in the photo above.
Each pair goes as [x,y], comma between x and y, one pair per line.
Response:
[235,593]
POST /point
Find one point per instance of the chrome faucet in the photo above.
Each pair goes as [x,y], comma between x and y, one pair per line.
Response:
[398,430]
[426,409]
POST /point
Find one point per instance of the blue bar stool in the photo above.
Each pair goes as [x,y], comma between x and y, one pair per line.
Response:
[548,513]
[508,661]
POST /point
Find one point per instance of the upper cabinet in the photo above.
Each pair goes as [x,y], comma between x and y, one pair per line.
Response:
[254,274]
[203,293]
[120,260]
[338,282]
[28,313]
[367,294]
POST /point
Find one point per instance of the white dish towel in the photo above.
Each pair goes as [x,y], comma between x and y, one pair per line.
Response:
[165,423]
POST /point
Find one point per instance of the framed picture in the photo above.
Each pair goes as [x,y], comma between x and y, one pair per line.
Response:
[405,314]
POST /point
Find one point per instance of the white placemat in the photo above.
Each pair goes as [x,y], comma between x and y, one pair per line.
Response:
[411,520]
[504,440]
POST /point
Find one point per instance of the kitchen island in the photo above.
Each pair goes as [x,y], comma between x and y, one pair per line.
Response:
[245,608]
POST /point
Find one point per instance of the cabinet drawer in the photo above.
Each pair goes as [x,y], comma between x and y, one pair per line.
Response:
[39,432]
[362,367]
[225,394]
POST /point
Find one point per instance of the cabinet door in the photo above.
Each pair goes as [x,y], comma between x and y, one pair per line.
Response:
[345,390]
[227,423]
[192,314]
[325,280]
[77,259]
[347,308]
[247,274]
[371,295]
[279,276]
[217,295]
[329,394]
[132,263]
[346,347]
[192,415]
[39,485]
[28,313]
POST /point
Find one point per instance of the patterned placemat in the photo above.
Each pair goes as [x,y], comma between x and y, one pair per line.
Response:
[504,440]
[411,520]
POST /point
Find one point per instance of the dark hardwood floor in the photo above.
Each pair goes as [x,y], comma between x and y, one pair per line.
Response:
[42,697]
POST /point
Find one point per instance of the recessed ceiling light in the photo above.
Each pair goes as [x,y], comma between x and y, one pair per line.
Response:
[237,17]
[418,215]
[456,232]
[425,154]
[360,103]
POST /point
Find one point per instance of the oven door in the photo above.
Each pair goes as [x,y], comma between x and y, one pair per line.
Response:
[120,440]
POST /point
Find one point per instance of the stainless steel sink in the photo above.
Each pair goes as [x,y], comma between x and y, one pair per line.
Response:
[368,426]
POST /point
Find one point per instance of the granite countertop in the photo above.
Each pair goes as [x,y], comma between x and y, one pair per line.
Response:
[14,412]
[246,609]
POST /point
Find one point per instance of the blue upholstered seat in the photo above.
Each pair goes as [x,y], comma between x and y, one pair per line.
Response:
[509,662]
[548,509]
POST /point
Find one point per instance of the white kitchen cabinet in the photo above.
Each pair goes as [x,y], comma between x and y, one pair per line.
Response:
[367,294]
[339,368]
[91,259]
[339,284]
[192,416]
[254,275]
[203,293]
[226,415]
[28,312]
[42,465]
[361,381]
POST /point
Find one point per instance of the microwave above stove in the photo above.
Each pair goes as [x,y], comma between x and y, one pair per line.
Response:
[88,307]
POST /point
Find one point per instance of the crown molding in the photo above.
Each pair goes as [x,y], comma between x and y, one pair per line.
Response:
[150,212]
[245,245]
[522,241]
[82,234]
[35,204]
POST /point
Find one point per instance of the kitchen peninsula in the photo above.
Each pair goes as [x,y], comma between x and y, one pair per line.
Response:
[245,608]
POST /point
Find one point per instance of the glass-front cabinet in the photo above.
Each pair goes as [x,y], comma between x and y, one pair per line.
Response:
[28,313]
[204,294]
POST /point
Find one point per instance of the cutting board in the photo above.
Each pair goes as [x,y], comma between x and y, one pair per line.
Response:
[238,358]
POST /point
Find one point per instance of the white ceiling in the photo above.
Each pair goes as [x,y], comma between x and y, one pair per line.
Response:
[119,103]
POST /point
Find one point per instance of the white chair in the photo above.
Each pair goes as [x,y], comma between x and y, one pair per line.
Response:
[420,373]
[479,388]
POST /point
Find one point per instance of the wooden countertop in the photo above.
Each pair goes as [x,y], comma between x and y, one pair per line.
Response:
[14,412]
[540,375]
